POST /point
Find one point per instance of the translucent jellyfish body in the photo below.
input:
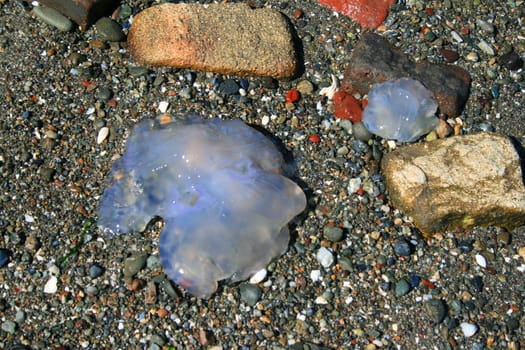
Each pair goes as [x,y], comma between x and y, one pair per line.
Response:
[219,188]
[401,109]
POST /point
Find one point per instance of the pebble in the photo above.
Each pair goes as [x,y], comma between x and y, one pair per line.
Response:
[305,87]
[486,48]
[333,233]
[436,310]
[485,26]
[402,288]
[511,61]
[468,329]
[259,276]
[95,271]
[4,257]
[360,132]
[9,326]
[51,285]
[472,57]
[229,87]
[481,260]
[153,263]
[250,293]
[134,264]
[102,135]
[109,30]
[53,17]
[402,247]
[325,257]
[450,56]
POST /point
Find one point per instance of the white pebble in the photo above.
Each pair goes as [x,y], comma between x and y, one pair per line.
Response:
[456,37]
[485,47]
[315,275]
[163,106]
[320,300]
[325,257]
[51,285]
[265,120]
[102,134]
[259,276]
[468,329]
[354,185]
[481,260]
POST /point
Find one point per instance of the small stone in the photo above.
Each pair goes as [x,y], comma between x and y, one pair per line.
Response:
[51,285]
[402,288]
[402,247]
[4,257]
[229,87]
[32,244]
[305,87]
[360,132]
[95,271]
[486,48]
[83,12]
[481,260]
[53,17]
[104,94]
[47,173]
[109,30]
[259,276]
[485,26]
[325,257]
[368,13]
[450,56]
[472,57]
[468,329]
[153,263]
[333,233]
[9,326]
[511,61]
[436,310]
[103,134]
[250,293]
[134,264]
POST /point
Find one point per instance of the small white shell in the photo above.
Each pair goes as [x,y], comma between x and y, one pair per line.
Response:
[481,260]
[163,106]
[329,91]
[102,134]
[468,329]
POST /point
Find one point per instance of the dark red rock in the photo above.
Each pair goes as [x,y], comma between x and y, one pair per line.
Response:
[450,56]
[347,107]
[368,13]
[83,12]
[374,61]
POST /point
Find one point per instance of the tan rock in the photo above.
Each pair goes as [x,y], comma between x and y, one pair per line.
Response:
[459,182]
[224,38]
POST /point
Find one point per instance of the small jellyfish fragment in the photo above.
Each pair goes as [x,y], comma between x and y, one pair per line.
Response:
[220,189]
[401,109]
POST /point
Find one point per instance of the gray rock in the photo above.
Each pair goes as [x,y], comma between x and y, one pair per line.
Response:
[458,182]
[134,264]
[250,293]
[109,30]
[402,288]
[83,12]
[53,17]
[436,310]
[374,61]
[333,233]
[225,38]
[9,326]
[361,132]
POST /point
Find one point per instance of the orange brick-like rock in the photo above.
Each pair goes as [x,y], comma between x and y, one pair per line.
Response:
[223,38]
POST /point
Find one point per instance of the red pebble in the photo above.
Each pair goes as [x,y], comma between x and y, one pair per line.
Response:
[429,284]
[314,138]
[368,13]
[292,96]
[347,107]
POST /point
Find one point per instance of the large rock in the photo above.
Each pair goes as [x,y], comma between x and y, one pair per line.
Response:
[459,182]
[374,61]
[224,38]
[83,12]
[368,13]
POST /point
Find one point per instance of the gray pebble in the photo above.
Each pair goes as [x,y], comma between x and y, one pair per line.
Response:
[167,287]
[91,290]
[186,93]
[53,17]
[402,247]
[20,317]
[361,132]
[109,30]
[137,72]
[134,264]
[153,262]
[402,288]
[436,310]
[95,271]
[104,94]
[9,326]
[333,233]
[250,293]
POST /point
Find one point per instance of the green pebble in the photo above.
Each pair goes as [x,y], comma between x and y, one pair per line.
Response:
[134,264]
[109,30]
[402,288]
[333,233]
[53,17]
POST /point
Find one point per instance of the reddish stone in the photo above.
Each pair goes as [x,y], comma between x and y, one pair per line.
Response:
[374,61]
[368,13]
[292,96]
[347,107]
[314,138]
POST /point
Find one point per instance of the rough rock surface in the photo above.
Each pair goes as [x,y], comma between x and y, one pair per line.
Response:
[459,182]
[83,12]
[368,13]
[223,38]
[374,60]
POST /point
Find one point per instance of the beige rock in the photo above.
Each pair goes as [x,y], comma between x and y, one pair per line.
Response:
[459,182]
[224,38]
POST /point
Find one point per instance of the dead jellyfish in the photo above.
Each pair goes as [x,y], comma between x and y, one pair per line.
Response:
[220,189]
[401,109]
